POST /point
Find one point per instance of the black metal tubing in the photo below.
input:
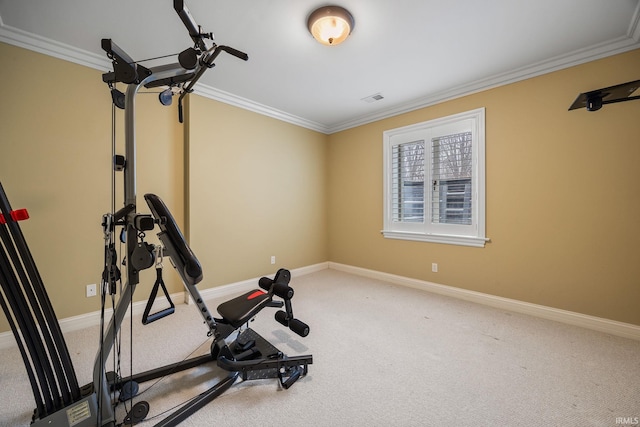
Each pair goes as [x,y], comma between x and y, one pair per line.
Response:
[192,27]
[205,63]
[125,68]
[200,401]
[169,369]
[614,101]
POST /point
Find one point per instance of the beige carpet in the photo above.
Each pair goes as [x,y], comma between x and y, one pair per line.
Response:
[384,355]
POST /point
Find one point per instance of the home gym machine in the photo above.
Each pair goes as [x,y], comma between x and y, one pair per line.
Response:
[235,348]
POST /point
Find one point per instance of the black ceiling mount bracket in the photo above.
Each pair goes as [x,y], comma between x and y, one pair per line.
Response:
[595,99]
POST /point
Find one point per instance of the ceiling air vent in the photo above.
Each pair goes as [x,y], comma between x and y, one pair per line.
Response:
[373,98]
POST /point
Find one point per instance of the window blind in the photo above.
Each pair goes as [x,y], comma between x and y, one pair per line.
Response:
[451,178]
[407,186]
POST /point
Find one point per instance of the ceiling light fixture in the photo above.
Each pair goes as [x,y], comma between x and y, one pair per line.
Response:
[330,25]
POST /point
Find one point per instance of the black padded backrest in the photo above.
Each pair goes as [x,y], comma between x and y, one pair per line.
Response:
[187,263]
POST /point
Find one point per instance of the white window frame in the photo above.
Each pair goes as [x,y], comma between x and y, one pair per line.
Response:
[427,231]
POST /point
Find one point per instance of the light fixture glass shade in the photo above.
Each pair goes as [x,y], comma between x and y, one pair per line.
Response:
[330,25]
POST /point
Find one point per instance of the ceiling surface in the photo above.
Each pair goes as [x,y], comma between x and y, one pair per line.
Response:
[412,52]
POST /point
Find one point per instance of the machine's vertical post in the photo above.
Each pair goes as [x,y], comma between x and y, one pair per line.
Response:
[130,145]
[100,381]
[99,374]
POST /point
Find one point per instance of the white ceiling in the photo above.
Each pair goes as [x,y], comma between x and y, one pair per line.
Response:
[413,52]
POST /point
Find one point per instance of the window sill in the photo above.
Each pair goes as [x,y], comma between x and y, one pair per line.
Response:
[476,242]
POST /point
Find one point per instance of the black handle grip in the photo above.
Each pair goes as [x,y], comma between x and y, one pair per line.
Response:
[157,316]
[235,52]
[180,115]
[299,327]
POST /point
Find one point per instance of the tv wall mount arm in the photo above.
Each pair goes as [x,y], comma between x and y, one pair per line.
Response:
[595,99]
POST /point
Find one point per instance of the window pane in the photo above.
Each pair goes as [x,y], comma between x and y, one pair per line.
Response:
[451,163]
[407,189]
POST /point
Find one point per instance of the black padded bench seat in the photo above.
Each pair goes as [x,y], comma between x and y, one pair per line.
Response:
[241,309]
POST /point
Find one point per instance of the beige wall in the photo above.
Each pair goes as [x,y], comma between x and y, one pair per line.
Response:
[257,184]
[562,203]
[55,142]
[256,189]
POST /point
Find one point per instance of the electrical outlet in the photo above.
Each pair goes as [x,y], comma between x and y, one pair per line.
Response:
[434,267]
[273,259]
[91,290]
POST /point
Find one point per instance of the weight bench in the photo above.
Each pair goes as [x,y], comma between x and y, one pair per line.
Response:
[60,401]
[249,354]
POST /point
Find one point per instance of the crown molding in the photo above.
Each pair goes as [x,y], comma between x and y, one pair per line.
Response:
[602,50]
[237,101]
[34,42]
[581,56]
[631,41]
[634,26]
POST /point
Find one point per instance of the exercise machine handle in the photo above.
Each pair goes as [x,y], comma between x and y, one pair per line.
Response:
[235,52]
[207,62]
[148,317]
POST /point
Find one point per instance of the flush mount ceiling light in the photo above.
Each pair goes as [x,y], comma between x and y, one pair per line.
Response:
[330,25]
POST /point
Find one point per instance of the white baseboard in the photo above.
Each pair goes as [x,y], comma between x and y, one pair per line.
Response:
[233,289]
[87,320]
[625,330]
[218,293]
